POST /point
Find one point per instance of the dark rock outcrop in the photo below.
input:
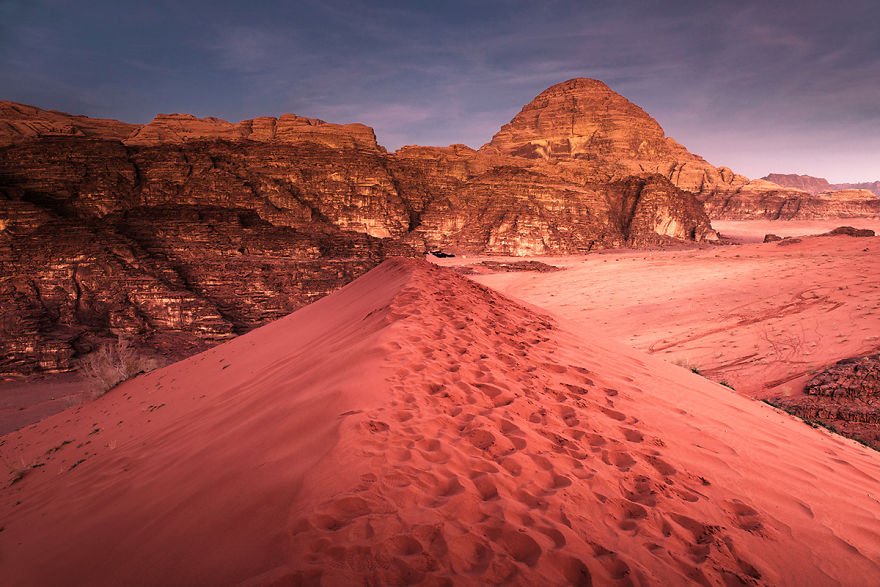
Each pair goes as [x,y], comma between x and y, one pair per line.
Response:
[845,397]
[850,231]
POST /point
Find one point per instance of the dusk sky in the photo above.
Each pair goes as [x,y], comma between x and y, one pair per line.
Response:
[788,86]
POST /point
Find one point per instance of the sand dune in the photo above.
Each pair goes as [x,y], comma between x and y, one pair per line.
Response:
[417,427]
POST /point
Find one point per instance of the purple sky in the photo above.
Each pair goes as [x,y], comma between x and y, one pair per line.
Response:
[785,86]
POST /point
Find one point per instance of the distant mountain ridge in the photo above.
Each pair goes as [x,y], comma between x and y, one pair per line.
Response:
[816,185]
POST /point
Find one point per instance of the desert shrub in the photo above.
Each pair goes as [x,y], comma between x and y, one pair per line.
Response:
[688,365]
[727,384]
[113,363]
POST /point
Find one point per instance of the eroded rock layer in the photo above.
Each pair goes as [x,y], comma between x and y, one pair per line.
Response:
[585,120]
[845,397]
[818,185]
[768,202]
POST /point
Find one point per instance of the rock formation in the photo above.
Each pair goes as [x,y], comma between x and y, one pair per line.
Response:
[195,229]
[186,231]
[816,185]
[584,120]
[844,397]
[177,246]
[758,201]
[850,231]
[20,122]
[584,131]
[288,128]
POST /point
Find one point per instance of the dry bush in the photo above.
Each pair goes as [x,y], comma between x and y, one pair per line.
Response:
[114,363]
[687,365]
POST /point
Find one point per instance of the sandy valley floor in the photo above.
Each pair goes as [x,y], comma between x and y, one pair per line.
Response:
[760,317]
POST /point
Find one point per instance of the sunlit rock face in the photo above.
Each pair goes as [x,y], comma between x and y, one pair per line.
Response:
[187,231]
[177,246]
[287,128]
[583,119]
[763,202]
[20,122]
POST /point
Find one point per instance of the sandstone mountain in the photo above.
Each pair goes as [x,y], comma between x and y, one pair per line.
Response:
[586,121]
[20,122]
[584,130]
[817,185]
[186,231]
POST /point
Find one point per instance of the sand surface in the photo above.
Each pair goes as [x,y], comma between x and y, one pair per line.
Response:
[417,427]
[760,317]
[27,401]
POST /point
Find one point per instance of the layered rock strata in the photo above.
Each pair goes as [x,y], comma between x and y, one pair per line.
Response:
[777,203]
[186,230]
[816,185]
[844,397]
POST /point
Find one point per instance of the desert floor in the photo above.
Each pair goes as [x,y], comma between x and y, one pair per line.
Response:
[760,317]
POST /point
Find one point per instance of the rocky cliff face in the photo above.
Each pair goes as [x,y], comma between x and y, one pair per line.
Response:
[806,183]
[186,231]
[583,130]
[20,122]
[287,129]
[759,201]
[815,185]
[845,397]
[176,246]
[584,120]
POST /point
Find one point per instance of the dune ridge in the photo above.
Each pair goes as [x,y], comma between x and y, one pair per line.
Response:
[417,427]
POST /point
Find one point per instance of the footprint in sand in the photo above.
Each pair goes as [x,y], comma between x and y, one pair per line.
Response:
[746,517]
[614,414]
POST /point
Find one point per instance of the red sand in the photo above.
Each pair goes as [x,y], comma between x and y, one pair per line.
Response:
[761,317]
[29,401]
[415,427]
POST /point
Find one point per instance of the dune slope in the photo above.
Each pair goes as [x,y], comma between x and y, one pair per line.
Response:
[418,427]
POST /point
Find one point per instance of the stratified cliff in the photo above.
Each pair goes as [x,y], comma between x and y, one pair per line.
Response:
[177,246]
[760,200]
[583,130]
[844,396]
[20,122]
[609,136]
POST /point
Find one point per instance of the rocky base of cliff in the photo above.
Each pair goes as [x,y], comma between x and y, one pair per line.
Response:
[844,397]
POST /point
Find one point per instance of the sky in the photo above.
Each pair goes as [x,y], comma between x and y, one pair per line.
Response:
[758,86]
